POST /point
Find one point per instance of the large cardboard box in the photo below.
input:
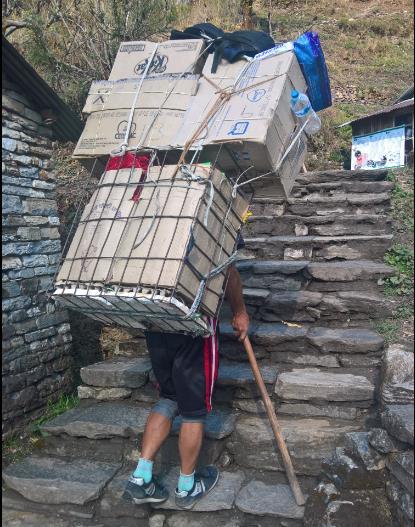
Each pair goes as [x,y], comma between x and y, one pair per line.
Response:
[168,240]
[105,130]
[171,92]
[253,129]
[157,120]
[172,56]
[158,117]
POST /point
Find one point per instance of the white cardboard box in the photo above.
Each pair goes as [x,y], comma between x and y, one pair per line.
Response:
[255,126]
[172,57]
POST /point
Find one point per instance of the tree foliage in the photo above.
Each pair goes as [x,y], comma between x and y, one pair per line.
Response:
[73,42]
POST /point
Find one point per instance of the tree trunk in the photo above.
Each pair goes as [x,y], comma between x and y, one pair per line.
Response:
[247,14]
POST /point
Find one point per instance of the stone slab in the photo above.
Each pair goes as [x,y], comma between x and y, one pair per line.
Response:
[102,420]
[347,271]
[357,508]
[347,473]
[237,374]
[324,410]
[381,441]
[54,481]
[12,518]
[402,467]
[308,384]
[306,359]
[199,519]
[309,441]
[118,373]
[403,502]
[260,499]
[398,375]
[344,340]
[218,425]
[222,497]
[358,446]
[103,394]
[112,504]
[398,419]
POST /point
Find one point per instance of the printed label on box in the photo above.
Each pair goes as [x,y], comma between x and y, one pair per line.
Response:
[239,128]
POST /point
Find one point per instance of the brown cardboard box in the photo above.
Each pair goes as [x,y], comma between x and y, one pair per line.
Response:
[105,130]
[172,56]
[255,126]
[170,92]
[160,241]
[158,117]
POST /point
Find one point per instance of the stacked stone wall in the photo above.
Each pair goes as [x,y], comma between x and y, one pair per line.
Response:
[36,341]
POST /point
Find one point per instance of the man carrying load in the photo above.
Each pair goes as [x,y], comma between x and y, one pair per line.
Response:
[186,368]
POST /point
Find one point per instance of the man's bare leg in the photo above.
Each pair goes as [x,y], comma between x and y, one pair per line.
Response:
[190,444]
[156,432]
[141,487]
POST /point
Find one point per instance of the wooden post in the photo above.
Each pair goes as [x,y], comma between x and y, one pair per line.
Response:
[292,478]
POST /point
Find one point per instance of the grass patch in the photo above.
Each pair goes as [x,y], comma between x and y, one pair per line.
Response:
[20,445]
[401,258]
[390,330]
[403,199]
[64,403]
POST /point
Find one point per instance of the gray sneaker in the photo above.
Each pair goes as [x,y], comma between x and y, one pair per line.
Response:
[205,481]
[140,492]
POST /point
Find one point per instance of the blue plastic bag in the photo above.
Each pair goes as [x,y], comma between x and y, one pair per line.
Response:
[310,56]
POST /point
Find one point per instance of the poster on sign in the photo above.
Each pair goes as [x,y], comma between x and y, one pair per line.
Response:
[385,149]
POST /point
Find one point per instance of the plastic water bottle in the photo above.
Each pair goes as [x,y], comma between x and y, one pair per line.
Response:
[301,106]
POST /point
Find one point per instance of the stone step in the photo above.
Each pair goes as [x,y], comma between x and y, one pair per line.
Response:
[311,306]
[317,248]
[12,518]
[230,375]
[125,420]
[271,339]
[293,275]
[317,385]
[222,497]
[341,204]
[55,481]
[327,176]
[117,373]
[309,441]
[260,499]
[331,225]
[235,375]
[303,187]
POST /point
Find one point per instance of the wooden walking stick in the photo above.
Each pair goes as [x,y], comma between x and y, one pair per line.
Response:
[292,478]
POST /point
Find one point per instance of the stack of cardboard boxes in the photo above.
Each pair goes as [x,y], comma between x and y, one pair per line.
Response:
[250,131]
[149,241]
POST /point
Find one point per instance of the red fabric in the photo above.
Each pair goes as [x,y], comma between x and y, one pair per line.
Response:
[139,188]
[208,368]
[128,160]
[211,363]
[131,160]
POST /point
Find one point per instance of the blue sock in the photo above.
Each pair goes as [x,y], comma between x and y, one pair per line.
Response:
[144,470]
[186,482]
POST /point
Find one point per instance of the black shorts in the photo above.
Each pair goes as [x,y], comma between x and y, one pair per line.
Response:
[186,369]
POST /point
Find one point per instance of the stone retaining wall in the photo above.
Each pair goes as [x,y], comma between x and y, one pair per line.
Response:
[36,340]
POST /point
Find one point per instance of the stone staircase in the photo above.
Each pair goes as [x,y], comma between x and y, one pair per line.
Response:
[311,271]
